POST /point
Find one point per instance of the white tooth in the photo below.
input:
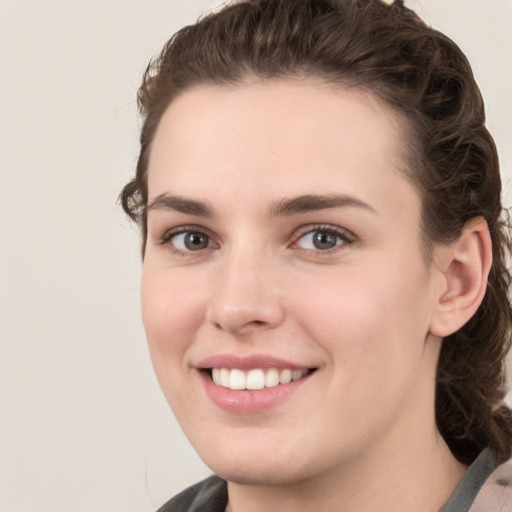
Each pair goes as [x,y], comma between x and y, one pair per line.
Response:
[285,376]
[297,374]
[216,376]
[237,379]
[224,377]
[255,379]
[271,378]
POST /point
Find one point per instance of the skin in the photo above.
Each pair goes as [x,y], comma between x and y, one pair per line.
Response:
[359,434]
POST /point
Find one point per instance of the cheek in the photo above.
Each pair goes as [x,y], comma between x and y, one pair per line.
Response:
[369,322]
[171,313]
[372,333]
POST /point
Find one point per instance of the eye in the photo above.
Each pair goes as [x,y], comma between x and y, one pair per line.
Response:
[323,239]
[188,241]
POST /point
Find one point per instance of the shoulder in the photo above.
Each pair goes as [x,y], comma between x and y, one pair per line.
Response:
[496,493]
[209,495]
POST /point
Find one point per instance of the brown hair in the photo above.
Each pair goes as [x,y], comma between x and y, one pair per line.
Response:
[425,77]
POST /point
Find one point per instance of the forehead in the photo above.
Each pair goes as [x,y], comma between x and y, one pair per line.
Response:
[278,137]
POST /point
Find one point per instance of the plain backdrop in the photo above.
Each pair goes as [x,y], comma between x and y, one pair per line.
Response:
[83,425]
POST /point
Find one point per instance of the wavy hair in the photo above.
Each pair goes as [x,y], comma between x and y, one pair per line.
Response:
[451,157]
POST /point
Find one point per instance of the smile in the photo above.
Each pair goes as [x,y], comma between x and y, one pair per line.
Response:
[254,389]
[256,378]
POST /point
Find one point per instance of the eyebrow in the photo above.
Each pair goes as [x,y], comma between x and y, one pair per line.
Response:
[285,207]
[181,204]
[312,203]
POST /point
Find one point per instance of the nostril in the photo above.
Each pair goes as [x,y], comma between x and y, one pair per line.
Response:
[241,329]
[251,326]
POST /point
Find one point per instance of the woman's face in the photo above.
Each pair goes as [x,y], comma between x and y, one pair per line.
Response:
[284,243]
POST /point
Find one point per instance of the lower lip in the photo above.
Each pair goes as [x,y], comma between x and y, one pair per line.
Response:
[249,401]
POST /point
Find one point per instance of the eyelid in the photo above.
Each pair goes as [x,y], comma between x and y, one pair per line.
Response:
[345,235]
[167,236]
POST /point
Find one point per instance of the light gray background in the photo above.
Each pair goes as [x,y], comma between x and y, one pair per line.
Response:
[83,425]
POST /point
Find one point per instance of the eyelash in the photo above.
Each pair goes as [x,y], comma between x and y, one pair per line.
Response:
[346,238]
[166,238]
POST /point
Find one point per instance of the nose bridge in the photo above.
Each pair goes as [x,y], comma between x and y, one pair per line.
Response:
[246,295]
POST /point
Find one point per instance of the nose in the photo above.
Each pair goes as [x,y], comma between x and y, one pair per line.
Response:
[246,297]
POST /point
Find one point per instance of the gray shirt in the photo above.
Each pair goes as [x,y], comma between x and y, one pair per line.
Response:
[211,495]
[468,488]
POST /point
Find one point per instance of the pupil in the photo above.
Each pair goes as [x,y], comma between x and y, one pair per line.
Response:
[324,240]
[195,241]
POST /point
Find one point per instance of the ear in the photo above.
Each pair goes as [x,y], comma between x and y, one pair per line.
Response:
[464,266]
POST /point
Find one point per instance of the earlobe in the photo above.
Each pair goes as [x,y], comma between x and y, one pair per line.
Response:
[465,266]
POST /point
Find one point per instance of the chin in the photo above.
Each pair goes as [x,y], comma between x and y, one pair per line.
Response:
[254,475]
[258,466]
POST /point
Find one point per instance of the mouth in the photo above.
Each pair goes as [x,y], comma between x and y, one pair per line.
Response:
[256,378]
[253,384]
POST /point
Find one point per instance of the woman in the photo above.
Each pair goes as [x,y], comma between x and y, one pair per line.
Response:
[324,289]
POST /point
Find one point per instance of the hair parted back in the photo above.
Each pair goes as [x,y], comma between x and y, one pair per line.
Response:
[423,76]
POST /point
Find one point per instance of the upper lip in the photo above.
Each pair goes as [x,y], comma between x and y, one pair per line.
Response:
[232,361]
